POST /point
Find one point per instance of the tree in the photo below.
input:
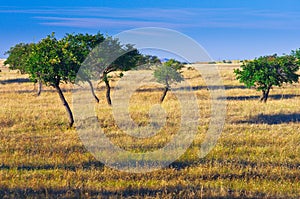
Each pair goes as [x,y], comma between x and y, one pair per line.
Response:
[51,63]
[167,73]
[17,56]
[80,46]
[111,56]
[265,72]
[16,60]
[54,61]
[148,61]
[296,54]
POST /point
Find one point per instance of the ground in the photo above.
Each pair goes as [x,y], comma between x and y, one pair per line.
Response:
[257,155]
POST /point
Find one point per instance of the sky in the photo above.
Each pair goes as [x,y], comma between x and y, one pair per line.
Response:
[226,29]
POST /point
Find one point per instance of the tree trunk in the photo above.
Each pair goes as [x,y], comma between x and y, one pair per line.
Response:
[165,90]
[65,103]
[108,99]
[267,94]
[164,94]
[38,93]
[93,91]
[263,95]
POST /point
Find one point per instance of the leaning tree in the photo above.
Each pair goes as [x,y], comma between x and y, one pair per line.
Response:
[265,72]
[111,56]
[168,73]
[54,61]
[80,46]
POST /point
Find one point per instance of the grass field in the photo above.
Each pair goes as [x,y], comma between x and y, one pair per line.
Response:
[257,155]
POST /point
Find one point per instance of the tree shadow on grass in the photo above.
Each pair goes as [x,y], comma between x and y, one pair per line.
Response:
[213,87]
[17,80]
[273,119]
[70,167]
[47,90]
[256,97]
[193,88]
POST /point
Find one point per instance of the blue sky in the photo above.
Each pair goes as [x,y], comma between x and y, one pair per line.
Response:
[227,29]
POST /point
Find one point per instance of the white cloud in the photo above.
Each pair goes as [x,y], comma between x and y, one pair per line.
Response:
[99,22]
[95,17]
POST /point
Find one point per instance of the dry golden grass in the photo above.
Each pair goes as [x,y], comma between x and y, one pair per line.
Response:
[257,155]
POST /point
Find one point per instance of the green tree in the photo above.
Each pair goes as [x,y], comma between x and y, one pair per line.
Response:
[267,71]
[80,46]
[296,54]
[148,61]
[17,58]
[51,63]
[168,73]
[54,61]
[111,56]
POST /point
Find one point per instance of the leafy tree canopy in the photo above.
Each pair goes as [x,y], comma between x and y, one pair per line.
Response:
[168,73]
[17,56]
[111,56]
[53,61]
[148,61]
[267,71]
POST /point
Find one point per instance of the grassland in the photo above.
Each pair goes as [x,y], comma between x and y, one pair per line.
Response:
[257,155]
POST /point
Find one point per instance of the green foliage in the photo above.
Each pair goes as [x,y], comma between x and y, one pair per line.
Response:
[227,62]
[116,56]
[148,61]
[174,64]
[167,73]
[82,44]
[268,71]
[296,54]
[111,56]
[53,61]
[212,62]
[18,55]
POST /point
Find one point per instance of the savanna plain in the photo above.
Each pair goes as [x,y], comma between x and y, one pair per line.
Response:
[256,156]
